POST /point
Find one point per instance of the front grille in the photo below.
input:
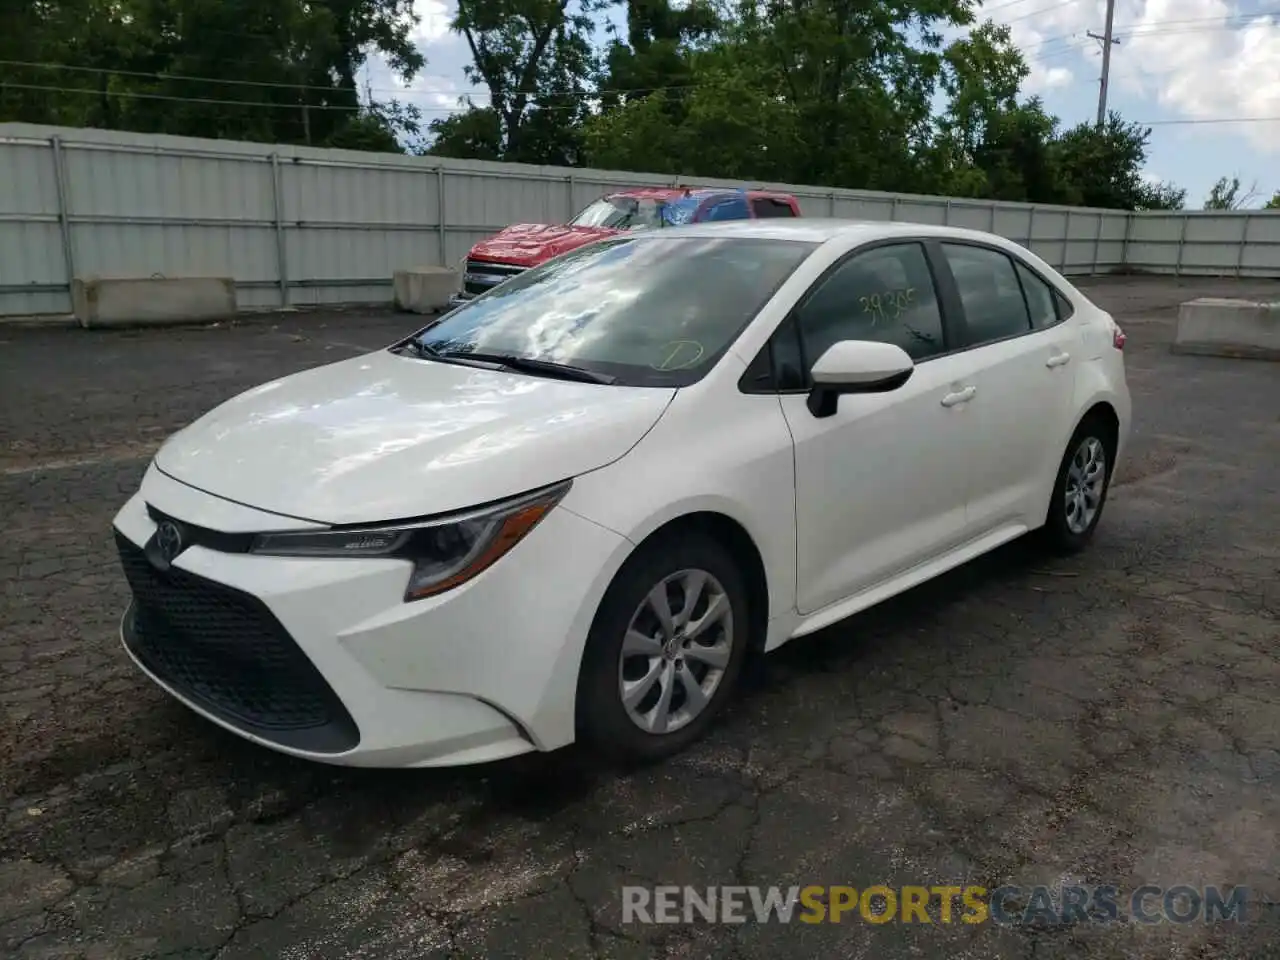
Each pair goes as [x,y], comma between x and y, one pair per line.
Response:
[225,651]
[482,276]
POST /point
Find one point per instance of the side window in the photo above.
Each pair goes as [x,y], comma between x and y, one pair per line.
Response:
[994,307]
[885,294]
[1039,299]
[788,361]
[779,366]
[763,207]
[734,209]
[1065,309]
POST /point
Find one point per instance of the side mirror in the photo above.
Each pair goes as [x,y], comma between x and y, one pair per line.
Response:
[856,366]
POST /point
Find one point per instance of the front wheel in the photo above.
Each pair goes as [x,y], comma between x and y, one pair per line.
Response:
[665,650]
[1080,491]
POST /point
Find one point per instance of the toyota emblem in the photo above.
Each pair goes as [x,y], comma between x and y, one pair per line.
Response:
[168,540]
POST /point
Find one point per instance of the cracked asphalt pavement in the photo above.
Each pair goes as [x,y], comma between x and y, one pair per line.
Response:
[1111,718]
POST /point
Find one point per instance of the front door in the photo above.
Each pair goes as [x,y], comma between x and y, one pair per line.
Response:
[881,484]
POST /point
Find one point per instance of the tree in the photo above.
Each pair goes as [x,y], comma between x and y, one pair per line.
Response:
[272,70]
[1273,203]
[378,127]
[1161,196]
[1102,167]
[536,58]
[657,52]
[841,93]
[1225,195]
[990,145]
[474,133]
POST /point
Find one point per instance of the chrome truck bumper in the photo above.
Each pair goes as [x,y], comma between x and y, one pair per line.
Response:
[481,276]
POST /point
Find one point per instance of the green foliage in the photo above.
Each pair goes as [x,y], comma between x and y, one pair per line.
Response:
[1104,165]
[841,93]
[270,70]
[1273,203]
[832,92]
[1226,195]
[536,57]
[1162,196]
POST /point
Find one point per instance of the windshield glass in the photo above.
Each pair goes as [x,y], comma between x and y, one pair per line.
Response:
[649,310]
[680,210]
[620,213]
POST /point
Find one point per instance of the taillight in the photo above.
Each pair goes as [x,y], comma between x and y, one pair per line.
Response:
[1117,337]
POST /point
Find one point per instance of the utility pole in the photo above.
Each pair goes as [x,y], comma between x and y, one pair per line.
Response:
[306,118]
[1107,43]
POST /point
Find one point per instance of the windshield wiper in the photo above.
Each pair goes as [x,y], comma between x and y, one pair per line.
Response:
[425,351]
[529,365]
[418,347]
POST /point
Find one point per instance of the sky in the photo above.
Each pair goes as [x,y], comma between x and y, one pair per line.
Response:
[1182,67]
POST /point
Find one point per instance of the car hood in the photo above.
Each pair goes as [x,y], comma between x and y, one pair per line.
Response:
[388,437]
[529,244]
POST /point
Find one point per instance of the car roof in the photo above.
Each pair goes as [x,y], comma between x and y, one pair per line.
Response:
[668,193]
[648,193]
[823,229]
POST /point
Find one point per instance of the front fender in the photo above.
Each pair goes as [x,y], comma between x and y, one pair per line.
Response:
[711,452]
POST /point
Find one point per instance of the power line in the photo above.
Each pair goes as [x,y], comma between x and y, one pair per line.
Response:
[290,106]
[214,101]
[1145,30]
[1001,6]
[282,85]
[160,96]
[1072,42]
[1153,28]
[1194,121]
[1036,13]
[181,78]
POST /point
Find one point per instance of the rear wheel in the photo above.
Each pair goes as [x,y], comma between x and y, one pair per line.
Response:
[1080,491]
[665,650]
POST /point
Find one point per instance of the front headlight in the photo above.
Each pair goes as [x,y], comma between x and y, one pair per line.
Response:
[445,552]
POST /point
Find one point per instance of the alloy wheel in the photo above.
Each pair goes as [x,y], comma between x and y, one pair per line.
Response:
[676,649]
[1086,481]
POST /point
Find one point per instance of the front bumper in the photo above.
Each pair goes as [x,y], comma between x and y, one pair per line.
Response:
[322,658]
[481,276]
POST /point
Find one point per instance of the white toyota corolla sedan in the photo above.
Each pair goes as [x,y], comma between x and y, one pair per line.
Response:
[570,508]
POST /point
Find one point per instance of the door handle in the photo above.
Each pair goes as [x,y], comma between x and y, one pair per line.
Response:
[1058,359]
[960,396]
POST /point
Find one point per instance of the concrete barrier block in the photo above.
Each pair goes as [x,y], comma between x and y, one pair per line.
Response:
[424,289]
[151,301]
[1212,326]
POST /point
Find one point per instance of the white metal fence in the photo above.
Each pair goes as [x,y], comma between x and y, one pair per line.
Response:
[301,226]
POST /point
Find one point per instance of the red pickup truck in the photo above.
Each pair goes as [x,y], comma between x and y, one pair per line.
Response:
[525,245]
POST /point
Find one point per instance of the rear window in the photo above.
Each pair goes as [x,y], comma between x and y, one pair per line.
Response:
[768,207]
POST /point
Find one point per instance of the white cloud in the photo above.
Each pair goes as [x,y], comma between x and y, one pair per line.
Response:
[434,17]
[1048,78]
[440,86]
[1198,59]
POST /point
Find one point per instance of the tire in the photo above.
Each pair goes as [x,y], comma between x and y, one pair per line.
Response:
[676,563]
[1069,527]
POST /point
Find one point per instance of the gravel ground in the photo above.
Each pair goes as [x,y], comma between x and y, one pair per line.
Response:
[1110,719]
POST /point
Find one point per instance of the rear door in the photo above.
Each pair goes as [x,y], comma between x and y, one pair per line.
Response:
[1025,356]
[765,207]
[727,208]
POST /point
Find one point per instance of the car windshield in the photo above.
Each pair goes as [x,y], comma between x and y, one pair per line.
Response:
[649,310]
[620,213]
